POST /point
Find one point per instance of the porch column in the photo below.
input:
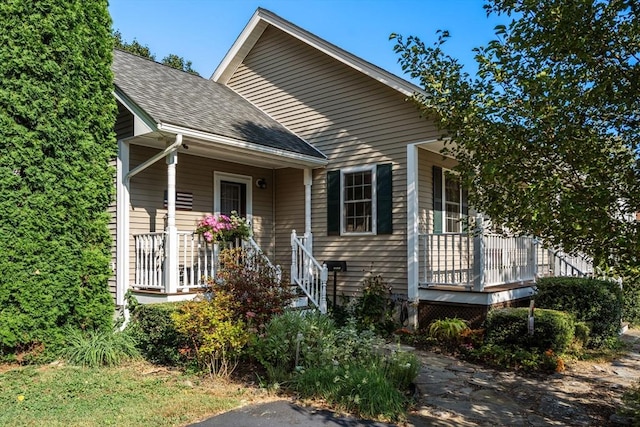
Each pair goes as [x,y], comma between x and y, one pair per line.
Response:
[412,235]
[308,179]
[171,232]
[122,221]
[479,261]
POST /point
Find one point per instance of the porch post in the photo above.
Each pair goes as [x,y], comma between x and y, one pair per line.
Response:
[479,255]
[308,179]
[122,221]
[171,232]
[412,235]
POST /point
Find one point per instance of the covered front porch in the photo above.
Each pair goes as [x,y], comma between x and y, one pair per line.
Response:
[161,258]
[457,265]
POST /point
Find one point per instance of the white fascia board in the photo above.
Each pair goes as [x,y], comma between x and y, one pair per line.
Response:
[142,122]
[254,29]
[235,143]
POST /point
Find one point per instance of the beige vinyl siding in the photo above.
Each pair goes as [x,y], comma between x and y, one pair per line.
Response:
[289,212]
[354,120]
[456,256]
[124,123]
[426,161]
[194,175]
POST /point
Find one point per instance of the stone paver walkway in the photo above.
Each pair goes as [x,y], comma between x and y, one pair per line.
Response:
[455,393]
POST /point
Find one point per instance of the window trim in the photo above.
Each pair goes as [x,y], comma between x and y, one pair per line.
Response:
[445,173]
[231,177]
[374,211]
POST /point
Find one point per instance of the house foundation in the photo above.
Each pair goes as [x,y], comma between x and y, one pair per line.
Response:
[448,302]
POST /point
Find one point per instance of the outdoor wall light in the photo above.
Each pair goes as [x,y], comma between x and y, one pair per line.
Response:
[261,183]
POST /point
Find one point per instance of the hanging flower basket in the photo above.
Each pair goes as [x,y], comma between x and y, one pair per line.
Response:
[223,228]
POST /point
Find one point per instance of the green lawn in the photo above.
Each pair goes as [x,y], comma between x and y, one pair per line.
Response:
[136,395]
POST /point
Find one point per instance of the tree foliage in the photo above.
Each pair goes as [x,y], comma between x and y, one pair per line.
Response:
[135,47]
[547,132]
[56,132]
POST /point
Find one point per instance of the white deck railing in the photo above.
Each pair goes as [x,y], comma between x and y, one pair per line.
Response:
[198,261]
[479,261]
[307,273]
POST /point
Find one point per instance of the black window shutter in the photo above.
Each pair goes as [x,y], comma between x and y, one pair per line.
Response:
[437,200]
[333,203]
[465,203]
[384,199]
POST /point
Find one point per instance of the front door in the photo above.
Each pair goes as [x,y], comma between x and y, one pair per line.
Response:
[232,193]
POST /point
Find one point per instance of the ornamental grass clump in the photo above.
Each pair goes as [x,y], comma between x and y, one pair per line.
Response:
[99,348]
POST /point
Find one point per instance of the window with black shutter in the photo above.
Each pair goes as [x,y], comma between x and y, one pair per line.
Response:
[359,200]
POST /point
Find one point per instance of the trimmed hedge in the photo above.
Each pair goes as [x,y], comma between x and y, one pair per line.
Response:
[155,333]
[57,113]
[508,327]
[598,303]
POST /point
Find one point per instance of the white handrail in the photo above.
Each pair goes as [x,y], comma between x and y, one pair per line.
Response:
[308,274]
[256,251]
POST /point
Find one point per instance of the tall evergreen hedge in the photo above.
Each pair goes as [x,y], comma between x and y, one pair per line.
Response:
[56,137]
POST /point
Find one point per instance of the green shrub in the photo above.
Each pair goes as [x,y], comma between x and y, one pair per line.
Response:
[631,296]
[215,336]
[155,333]
[598,303]
[57,113]
[514,357]
[294,340]
[342,365]
[508,327]
[98,347]
[374,309]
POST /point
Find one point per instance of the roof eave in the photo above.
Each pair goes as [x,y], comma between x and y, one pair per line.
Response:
[138,112]
[302,159]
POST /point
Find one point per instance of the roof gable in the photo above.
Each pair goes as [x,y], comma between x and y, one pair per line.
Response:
[262,18]
[166,96]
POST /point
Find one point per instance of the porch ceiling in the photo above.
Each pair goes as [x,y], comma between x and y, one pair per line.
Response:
[224,151]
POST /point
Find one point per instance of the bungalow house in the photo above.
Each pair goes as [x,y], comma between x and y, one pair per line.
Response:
[326,158]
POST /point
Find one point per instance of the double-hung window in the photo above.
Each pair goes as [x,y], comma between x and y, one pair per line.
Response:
[449,202]
[359,200]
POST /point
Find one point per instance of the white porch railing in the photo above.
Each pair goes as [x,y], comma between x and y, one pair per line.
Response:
[197,260]
[307,273]
[149,253]
[479,261]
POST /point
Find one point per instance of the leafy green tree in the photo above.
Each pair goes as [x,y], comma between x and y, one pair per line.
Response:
[135,47]
[179,63]
[547,132]
[57,114]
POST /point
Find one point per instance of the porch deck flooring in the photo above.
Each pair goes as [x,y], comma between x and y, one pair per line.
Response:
[488,289]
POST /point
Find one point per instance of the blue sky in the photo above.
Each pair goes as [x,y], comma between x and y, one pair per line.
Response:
[202,31]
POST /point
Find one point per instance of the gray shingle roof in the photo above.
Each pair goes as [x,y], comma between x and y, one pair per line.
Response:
[174,97]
